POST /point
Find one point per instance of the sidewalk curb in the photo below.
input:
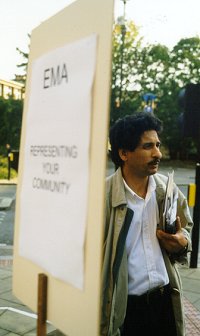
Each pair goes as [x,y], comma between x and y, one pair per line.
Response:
[5,202]
[7,182]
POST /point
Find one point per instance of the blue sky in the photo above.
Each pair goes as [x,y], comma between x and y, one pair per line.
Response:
[160,21]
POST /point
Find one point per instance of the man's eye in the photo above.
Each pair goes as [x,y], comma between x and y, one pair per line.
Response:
[147,145]
[150,145]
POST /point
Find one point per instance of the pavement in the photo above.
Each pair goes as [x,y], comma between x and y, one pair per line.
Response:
[18,319]
[15,317]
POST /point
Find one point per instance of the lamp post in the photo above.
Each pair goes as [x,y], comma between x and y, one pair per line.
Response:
[124,2]
[122,22]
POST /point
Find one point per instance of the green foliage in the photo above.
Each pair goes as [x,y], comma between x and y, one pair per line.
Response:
[126,49]
[24,65]
[4,169]
[10,123]
[138,69]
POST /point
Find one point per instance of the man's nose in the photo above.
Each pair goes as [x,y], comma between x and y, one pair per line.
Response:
[157,153]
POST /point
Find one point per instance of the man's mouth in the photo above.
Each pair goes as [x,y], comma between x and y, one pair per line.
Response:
[154,163]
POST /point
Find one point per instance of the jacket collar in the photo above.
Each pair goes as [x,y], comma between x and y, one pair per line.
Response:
[161,181]
[118,194]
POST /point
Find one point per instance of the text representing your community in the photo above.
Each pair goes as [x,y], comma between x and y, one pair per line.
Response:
[45,182]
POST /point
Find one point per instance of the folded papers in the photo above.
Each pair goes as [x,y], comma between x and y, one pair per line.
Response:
[170,205]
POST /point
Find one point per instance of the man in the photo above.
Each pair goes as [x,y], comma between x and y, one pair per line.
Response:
[141,290]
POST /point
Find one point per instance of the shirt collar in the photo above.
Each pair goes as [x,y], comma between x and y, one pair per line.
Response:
[150,189]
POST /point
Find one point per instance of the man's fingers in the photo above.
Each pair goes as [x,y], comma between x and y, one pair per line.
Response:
[178,223]
[161,234]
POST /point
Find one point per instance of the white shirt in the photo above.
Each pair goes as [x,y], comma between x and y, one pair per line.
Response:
[146,267]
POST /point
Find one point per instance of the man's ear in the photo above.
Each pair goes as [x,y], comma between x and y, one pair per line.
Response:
[123,154]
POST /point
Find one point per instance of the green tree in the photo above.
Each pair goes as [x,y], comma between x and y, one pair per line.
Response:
[3,130]
[126,49]
[10,122]
[183,68]
[23,66]
[185,61]
[153,68]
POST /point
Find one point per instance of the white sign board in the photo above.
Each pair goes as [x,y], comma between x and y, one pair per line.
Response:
[55,180]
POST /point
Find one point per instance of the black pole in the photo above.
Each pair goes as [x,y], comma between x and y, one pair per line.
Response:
[8,167]
[123,32]
[8,157]
[196,220]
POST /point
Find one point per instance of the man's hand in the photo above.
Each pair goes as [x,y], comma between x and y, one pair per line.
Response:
[172,243]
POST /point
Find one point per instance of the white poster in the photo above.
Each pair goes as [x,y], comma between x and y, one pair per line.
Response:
[54,193]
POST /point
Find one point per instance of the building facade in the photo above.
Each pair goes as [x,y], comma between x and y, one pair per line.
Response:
[11,89]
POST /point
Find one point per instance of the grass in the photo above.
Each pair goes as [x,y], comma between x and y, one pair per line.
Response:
[4,169]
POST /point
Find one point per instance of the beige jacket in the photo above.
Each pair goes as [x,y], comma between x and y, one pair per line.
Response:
[115,274]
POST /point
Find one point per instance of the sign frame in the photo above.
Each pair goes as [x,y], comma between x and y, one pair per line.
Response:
[72,311]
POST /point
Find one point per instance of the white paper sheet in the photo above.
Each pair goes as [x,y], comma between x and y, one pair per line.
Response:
[170,203]
[54,193]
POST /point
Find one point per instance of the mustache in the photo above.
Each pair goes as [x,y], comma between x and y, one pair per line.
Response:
[154,162]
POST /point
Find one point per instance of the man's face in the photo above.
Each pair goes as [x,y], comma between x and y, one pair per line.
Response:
[144,160]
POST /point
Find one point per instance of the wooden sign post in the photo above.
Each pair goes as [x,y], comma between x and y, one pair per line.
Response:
[42,305]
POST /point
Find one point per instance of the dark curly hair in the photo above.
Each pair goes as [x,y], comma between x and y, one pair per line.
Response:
[126,133]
